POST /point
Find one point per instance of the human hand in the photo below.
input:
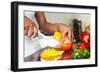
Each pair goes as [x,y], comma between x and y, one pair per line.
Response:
[30,28]
[66,31]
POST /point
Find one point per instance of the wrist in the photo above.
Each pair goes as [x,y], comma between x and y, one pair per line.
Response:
[59,27]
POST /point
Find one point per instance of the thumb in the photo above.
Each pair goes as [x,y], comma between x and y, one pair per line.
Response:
[30,31]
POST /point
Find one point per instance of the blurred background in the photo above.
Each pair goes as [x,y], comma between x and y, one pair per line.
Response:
[65,18]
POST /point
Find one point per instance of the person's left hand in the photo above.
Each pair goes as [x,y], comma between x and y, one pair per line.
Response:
[66,31]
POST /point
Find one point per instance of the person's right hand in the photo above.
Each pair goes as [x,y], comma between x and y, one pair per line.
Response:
[30,28]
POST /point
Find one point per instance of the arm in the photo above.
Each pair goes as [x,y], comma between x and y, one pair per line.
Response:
[44,25]
[50,27]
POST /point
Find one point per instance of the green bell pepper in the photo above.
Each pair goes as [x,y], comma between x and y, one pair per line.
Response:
[82,53]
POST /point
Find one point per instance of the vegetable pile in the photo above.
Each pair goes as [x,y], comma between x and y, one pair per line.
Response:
[83,48]
[81,51]
[50,54]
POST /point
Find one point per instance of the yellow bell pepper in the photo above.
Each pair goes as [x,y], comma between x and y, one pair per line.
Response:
[57,36]
[50,54]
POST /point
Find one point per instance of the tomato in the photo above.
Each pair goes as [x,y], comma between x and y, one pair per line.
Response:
[66,55]
[66,45]
[85,37]
[83,45]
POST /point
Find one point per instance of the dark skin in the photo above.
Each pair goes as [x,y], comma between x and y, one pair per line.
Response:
[31,29]
[42,21]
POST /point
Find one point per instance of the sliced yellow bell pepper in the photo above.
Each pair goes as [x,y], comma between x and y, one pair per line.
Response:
[57,36]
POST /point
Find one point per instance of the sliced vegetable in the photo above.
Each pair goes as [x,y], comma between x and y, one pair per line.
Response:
[81,53]
[66,55]
[50,54]
[57,36]
[85,37]
[83,45]
[66,45]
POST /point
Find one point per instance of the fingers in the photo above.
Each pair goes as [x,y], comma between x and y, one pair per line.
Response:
[71,35]
[68,33]
[63,35]
[30,31]
[26,30]
[35,33]
[29,27]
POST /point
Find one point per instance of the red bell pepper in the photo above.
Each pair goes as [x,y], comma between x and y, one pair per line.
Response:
[83,45]
[85,37]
